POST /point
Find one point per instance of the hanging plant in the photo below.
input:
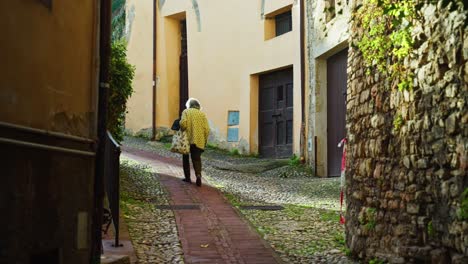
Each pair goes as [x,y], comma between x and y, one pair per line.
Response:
[386,40]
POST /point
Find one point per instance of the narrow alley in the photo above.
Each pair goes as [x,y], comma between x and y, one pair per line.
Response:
[216,223]
[316,131]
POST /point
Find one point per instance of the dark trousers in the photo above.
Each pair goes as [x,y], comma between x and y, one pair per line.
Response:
[195,154]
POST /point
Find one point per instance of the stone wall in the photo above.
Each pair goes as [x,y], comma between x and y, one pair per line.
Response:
[405,183]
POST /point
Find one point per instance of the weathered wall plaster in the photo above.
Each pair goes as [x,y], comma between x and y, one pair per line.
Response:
[35,84]
[325,37]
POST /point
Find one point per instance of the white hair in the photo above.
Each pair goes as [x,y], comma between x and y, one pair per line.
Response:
[187,104]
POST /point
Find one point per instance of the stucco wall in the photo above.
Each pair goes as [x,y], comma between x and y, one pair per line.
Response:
[226,50]
[139,33]
[326,36]
[48,81]
[36,88]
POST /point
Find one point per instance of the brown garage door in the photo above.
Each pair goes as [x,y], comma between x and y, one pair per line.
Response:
[276,114]
[336,109]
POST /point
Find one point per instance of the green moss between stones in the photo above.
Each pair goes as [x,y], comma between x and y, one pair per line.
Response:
[463,211]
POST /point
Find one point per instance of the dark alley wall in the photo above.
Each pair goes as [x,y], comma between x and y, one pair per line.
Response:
[48,99]
[407,155]
[46,205]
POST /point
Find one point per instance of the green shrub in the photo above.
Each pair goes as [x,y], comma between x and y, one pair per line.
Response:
[210,145]
[234,152]
[166,139]
[121,77]
[375,261]
[295,160]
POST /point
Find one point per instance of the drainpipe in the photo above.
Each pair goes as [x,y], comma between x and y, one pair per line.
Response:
[155,30]
[104,60]
[302,32]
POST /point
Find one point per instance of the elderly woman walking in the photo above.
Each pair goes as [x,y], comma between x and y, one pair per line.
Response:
[195,124]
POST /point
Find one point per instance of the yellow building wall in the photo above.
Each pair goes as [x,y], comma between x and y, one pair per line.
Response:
[36,89]
[227,51]
[139,21]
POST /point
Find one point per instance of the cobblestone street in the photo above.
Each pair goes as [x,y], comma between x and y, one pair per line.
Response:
[305,231]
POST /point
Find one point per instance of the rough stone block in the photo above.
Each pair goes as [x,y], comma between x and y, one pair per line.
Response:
[421,164]
[459,259]
[451,123]
[412,208]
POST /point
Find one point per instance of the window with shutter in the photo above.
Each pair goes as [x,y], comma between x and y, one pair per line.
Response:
[283,23]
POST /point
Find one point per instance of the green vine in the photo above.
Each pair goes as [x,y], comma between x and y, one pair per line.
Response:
[430,229]
[463,211]
[369,218]
[386,40]
[397,122]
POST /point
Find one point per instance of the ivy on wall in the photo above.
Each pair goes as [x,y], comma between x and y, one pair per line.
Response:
[386,40]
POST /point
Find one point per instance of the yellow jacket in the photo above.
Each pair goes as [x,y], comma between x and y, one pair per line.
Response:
[194,122]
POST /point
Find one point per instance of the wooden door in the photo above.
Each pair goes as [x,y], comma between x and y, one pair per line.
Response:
[183,68]
[336,109]
[276,114]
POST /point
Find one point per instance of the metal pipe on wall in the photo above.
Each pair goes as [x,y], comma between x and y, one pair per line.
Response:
[155,30]
[46,147]
[302,46]
[105,17]
[46,132]
[315,155]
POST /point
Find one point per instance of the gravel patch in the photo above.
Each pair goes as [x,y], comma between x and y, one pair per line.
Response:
[153,232]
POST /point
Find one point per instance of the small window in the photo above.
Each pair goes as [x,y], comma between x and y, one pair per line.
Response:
[283,23]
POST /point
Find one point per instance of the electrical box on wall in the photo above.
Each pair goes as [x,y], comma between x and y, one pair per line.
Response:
[233,134]
[233,118]
[233,131]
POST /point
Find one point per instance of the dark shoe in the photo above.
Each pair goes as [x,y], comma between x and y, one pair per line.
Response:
[187,180]
[199,181]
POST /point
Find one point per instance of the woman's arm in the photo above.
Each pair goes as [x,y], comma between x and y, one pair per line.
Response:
[206,128]
[183,121]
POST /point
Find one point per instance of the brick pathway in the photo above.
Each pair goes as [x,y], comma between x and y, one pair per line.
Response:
[214,233]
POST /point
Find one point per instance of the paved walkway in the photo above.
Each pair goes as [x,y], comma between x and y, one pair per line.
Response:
[214,232]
